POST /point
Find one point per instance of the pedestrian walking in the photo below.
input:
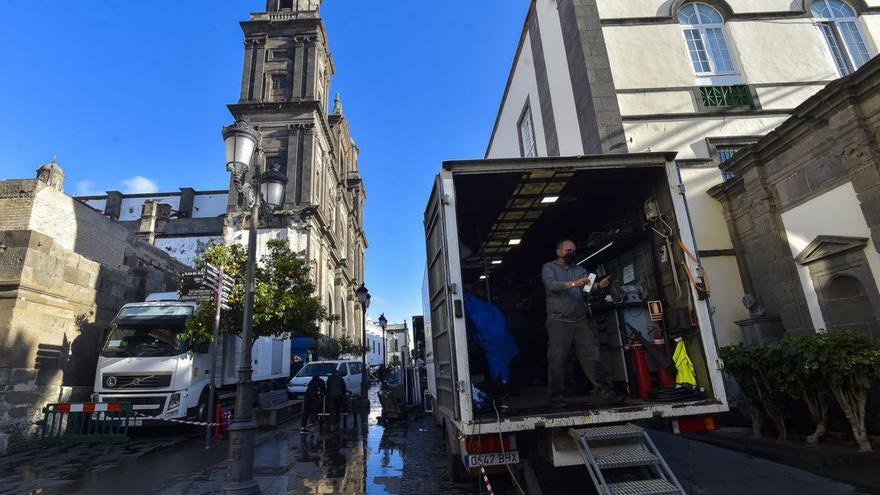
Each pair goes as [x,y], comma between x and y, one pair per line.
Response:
[312,401]
[335,395]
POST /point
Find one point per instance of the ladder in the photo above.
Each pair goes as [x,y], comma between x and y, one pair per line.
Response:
[617,447]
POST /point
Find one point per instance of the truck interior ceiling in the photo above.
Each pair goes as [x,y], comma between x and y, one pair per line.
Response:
[624,225]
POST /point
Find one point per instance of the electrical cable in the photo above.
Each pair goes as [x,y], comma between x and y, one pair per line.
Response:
[676,393]
[503,454]
[687,270]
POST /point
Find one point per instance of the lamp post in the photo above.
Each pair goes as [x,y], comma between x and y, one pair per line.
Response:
[244,157]
[363,297]
[383,322]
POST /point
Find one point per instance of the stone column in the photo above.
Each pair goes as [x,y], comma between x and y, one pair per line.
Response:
[147,226]
[259,52]
[299,61]
[311,65]
[247,75]
[308,163]
[113,206]
[294,172]
[187,199]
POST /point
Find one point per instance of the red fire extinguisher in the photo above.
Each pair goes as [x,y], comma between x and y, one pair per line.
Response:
[663,376]
[640,366]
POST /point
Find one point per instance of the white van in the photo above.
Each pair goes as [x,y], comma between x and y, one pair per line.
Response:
[350,371]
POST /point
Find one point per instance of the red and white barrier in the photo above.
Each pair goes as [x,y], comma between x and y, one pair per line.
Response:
[89,407]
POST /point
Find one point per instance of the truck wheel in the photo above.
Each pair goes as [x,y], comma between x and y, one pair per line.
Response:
[200,412]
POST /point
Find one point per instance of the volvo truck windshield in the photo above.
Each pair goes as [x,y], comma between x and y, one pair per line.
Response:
[151,331]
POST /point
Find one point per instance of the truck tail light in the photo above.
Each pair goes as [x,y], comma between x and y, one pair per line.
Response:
[694,425]
[489,443]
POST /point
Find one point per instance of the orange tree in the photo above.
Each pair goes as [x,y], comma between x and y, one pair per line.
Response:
[285,300]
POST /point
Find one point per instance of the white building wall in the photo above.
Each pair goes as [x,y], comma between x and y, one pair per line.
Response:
[132,207]
[185,249]
[559,80]
[210,205]
[523,85]
[821,216]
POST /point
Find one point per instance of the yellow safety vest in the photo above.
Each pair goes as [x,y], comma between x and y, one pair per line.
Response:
[684,365]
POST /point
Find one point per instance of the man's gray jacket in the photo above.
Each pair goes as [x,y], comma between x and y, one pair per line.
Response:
[564,304]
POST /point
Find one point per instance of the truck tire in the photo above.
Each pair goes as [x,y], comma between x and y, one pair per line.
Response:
[200,412]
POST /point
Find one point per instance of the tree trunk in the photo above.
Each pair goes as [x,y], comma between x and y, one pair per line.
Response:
[853,404]
[817,403]
[757,419]
[767,401]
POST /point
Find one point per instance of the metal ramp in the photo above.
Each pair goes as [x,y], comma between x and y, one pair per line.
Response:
[610,448]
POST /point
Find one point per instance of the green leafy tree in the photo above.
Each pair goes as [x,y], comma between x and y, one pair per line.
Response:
[801,378]
[284,296]
[756,371]
[343,346]
[849,365]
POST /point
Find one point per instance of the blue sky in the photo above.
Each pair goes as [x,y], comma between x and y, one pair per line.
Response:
[132,96]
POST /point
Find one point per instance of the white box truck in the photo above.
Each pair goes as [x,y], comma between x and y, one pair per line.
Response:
[145,361]
[490,225]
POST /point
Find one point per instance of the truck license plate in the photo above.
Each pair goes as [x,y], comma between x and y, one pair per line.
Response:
[493,459]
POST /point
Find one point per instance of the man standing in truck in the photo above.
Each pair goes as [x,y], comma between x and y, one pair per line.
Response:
[568,323]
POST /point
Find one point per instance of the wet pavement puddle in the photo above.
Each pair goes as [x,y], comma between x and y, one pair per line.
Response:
[356,459]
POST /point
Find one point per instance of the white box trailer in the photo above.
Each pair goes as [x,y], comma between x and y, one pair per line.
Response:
[487,216]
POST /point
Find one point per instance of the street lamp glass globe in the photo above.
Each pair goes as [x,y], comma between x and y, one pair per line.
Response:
[363,296]
[383,322]
[241,140]
[272,188]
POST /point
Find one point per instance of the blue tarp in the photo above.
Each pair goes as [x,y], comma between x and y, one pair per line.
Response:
[489,329]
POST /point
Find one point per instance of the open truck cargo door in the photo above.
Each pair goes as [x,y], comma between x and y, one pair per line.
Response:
[445,301]
[494,223]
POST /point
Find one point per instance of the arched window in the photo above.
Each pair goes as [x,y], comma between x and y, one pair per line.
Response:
[704,33]
[841,31]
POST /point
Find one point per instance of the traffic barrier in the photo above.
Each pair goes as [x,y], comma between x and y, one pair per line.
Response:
[86,422]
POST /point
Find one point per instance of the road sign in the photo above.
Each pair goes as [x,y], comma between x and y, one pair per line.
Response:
[655,308]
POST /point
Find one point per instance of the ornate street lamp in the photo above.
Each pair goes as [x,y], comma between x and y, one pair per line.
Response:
[363,297]
[383,322]
[244,159]
[272,184]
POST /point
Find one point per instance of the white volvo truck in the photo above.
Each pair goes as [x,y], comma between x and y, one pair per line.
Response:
[490,225]
[146,362]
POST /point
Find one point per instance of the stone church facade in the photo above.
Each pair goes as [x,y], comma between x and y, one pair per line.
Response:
[285,94]
[803,209]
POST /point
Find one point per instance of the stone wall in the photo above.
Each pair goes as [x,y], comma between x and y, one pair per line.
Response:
[65,270]
[832,139]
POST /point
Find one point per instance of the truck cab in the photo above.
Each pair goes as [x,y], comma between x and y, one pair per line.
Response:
[146,360]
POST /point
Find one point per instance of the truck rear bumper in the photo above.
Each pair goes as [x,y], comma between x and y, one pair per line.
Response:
[599,416]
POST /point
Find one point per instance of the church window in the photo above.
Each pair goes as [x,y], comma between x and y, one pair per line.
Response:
[285,5]
[527,143]
[277,55]
[277,87]
[704,35]
[839,26]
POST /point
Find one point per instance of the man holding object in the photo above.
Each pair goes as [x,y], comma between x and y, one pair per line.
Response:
[567,323]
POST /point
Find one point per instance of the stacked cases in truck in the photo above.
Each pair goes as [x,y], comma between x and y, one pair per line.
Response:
[490,225]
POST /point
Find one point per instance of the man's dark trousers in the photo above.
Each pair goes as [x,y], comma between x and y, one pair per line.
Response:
[586,347]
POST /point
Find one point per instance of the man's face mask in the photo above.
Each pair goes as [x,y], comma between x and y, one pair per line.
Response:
[570,258]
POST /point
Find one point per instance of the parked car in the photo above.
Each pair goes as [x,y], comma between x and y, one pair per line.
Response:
[350,371]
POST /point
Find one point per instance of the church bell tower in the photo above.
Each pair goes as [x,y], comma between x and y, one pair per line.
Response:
[284,93]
